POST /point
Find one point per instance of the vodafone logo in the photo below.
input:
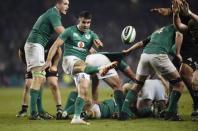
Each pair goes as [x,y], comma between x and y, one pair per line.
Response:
[81,44]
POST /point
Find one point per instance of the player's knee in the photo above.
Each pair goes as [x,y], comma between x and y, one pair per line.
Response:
[186,70]
[138,85]
[177,83]
[79,66]
[195,83]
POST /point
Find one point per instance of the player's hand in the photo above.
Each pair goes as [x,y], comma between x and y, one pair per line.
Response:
[178,2]
[179,58]
[46,65]
[175,8]
[98,43]
[162,11]
[185,8]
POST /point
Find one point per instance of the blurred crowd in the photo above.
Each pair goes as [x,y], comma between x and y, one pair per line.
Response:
[109,18]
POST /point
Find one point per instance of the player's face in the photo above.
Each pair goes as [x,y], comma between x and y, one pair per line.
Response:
[64,6]
[84,24]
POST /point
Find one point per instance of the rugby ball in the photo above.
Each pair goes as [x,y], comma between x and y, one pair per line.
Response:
[128,35]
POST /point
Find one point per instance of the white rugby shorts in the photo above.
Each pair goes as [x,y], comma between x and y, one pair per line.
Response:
[34,54]
[150,63]
[100,60]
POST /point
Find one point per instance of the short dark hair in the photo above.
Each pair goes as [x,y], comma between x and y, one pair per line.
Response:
[85,14]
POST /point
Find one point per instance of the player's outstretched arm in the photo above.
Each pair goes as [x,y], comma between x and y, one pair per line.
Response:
[134,47]
[52,52]
[178,42]
[177,21]
[56,60]
[162,11]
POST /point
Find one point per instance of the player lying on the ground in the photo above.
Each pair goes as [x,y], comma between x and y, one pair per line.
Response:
[52,80]
[188,67]
[151,99]
[152,91]
[111,78]
[78,40]
[154,58]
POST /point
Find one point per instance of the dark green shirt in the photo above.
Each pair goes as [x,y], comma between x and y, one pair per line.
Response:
[161,41]
[44,27]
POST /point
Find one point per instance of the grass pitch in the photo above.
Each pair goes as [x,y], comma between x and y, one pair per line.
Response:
[10,101]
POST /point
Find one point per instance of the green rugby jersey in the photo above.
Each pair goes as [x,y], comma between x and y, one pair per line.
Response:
[161,41]
[44,27]
[77,43]
[107,108]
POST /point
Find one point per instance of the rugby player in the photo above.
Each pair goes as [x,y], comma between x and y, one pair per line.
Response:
[52,80]
[78,40]
[188,52]
[48,23]
[155,59]
[190,28]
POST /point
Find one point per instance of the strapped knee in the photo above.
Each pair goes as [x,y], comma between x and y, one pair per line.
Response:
[175,81]
[38,74]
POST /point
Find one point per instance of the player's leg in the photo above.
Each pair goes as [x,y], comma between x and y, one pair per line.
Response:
[115,84]
[194,115]
[82,81]
[131,97]
[36,91]
[94,90]
[143,71]
[52,81]
[71,66]
[162,64]
[35,59]
[28,80]
[188,76]
[178,85]
[146,98]
[80,66]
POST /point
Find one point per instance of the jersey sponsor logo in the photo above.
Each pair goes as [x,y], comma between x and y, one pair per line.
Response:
[87,36]
[81,44]
[80,49]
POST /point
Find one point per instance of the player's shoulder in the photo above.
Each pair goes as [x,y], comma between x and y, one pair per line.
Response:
[71,29]
[52,11]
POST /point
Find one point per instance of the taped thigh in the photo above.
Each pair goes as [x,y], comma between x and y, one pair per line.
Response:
[38,74]
[79,76]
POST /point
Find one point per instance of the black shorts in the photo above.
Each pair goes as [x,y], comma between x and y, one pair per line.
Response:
[28,75]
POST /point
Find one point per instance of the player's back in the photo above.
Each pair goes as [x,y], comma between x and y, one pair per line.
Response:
[161,41]
[107,108]
[44,27]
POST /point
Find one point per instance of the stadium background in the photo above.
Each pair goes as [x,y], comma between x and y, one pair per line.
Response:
[109,18]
